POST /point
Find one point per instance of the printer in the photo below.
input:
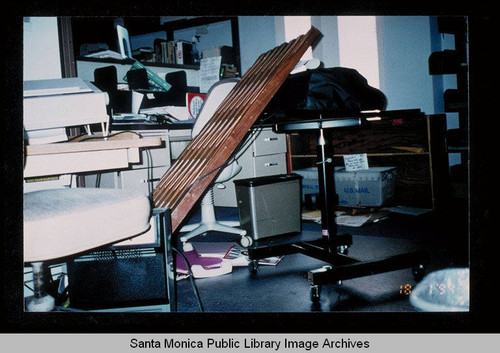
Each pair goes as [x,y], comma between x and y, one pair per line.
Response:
[51,105]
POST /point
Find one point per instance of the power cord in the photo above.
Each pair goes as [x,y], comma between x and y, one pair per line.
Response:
[236,154]
[191,278]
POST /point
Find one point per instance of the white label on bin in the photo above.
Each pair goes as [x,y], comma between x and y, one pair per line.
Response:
[355,162]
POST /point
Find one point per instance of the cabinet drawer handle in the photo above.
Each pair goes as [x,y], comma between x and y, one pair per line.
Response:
[268,139]
[271,164]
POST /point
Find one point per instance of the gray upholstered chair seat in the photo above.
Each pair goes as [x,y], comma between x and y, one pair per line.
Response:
[63,222]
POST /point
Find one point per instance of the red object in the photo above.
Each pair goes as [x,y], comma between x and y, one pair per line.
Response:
[194,102]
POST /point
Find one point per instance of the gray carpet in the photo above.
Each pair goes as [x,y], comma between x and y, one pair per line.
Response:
[284,287]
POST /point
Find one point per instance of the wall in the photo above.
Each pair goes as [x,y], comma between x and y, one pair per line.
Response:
[211,35]
[404,45]
[257,35]
[41,58]
[327,49]
[270,32]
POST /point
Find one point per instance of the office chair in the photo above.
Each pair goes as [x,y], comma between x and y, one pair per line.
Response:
[59,223]
[214,98]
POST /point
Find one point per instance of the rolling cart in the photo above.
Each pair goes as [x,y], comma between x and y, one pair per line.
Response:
[331,247]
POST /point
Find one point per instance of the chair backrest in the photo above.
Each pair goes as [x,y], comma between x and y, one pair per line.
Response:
[215,95]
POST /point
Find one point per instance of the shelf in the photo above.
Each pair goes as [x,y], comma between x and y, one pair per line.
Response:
[102,30]
[422,178]
[146,63]
[369,154]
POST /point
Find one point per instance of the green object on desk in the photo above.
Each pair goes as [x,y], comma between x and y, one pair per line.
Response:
[157,80]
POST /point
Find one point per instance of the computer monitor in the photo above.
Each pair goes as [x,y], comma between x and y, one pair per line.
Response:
[124,42]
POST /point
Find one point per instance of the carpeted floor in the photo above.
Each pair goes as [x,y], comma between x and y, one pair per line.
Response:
[285,288]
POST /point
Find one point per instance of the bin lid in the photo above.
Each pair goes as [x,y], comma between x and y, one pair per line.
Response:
[264,180]
[372,173]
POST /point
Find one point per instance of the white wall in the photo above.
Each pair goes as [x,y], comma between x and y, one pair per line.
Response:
[404,45]
[257,35]
[358,46]
[211,35]
[327,49]
[41,59]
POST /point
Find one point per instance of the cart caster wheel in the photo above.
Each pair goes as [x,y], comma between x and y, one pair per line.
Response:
[418,272]
[246,241]
[343,249]
[253,265]
[315,293]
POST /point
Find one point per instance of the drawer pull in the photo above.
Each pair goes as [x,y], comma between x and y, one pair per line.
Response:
[271,164]
[268,139]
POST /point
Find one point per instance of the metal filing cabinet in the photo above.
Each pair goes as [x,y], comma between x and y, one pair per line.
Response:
[263,154]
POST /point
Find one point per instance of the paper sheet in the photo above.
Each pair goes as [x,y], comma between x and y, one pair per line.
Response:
[209,72]
[354,162]
[178,112]
[352,221]
[413,211]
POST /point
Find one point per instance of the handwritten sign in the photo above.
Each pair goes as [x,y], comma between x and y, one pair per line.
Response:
[209,72]
[355,162]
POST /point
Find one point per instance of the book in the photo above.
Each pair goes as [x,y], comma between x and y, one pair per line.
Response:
[183,53]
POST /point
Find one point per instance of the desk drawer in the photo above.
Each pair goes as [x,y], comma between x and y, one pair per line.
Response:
[270,165]
[153,157]
[157,156]
[268,142]
[143,180]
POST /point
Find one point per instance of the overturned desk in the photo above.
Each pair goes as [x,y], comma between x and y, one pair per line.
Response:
[85,153]
[331,247]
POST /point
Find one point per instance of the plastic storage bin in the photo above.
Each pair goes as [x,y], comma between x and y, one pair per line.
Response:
[372,187]
[443,290]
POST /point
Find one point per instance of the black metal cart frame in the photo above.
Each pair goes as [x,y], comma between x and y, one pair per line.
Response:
[331,247]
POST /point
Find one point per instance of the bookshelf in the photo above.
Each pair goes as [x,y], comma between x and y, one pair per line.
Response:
[414,144]
[101,30]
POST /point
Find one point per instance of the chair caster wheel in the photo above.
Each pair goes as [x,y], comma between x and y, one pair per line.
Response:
[343,249]
[418,272]
[246,241]
[253,265]
[315,293]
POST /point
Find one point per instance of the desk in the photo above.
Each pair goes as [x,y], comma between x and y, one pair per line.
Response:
[331,247]
[144,175]
[85,154]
